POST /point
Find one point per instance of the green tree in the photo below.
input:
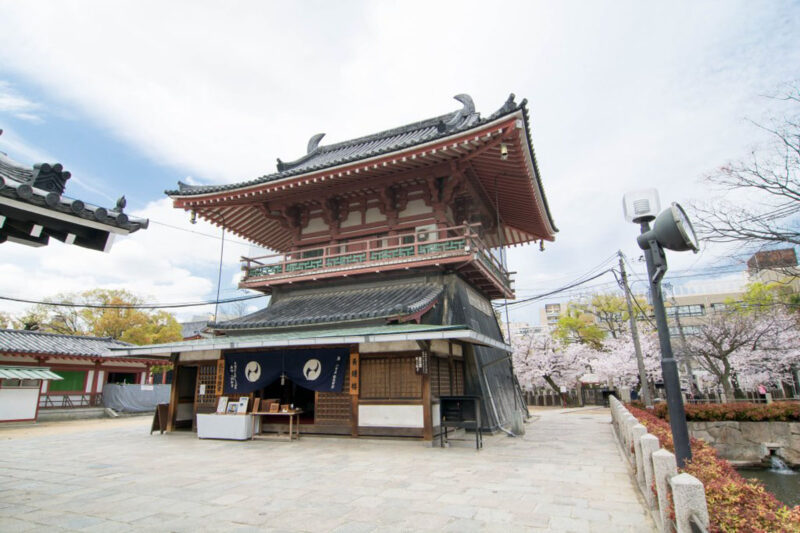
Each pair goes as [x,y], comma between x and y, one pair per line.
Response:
[104,313]
[579,326]
[761,297]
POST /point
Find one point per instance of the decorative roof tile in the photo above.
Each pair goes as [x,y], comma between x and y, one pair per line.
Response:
[321,157]
[339,306]
[43,186]
[34,342]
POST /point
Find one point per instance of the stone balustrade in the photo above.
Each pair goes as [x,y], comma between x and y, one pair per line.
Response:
[657,476]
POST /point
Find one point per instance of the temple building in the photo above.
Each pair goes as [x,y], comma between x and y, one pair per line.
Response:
[388,256]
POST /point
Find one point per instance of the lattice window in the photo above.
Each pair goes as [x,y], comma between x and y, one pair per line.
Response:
[458,377]
[440,377]
[206,382]
[435,388]
[334,407]
[390,378]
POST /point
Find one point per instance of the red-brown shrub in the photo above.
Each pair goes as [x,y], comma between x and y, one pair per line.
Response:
[734,504]
[740,412]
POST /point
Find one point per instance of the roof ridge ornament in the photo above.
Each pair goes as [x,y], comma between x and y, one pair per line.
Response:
[459,116]
[313,143]
[50,178]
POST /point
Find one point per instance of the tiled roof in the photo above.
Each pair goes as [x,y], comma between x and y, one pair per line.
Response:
[33,342]
[339,306]
[192,329]
[320,157]
[43,186]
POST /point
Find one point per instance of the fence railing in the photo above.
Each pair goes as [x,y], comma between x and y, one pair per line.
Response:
[66,401]
[657,467]
[378,252]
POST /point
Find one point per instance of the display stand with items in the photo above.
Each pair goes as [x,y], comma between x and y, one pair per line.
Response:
[273,408]
[231,421]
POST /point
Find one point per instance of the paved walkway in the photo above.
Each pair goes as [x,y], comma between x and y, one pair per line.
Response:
[566,474]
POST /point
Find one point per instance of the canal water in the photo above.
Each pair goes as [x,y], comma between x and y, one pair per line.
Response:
[780,480]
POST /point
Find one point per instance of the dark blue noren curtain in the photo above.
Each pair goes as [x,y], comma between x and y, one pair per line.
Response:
[318,369]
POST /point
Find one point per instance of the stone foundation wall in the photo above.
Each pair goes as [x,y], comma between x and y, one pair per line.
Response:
[750,442]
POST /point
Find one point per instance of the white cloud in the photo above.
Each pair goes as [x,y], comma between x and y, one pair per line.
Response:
[16,105]
[622,96]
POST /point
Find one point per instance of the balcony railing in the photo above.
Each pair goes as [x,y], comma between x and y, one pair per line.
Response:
[439,245]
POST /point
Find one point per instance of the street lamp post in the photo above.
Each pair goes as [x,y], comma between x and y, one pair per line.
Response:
[671,230]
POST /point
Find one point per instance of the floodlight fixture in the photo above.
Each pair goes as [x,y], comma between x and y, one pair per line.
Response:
[672,230]
[641,206]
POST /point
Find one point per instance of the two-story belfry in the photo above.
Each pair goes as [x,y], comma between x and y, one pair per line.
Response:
[388,259]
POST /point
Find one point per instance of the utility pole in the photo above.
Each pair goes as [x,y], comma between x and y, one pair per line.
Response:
[645,386]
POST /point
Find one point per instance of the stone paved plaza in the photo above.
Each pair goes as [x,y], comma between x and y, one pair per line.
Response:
[566,474]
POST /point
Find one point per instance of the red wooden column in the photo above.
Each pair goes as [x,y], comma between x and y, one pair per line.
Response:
[93,389]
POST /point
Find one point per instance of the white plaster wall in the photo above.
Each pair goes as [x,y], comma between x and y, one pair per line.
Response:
[394,346]
[435,415]
[416,207]
[374,215]
[353,219]
[439,346]
[101,377]
[89,376]
[200,355]
[18,404]
[391,416]
[315,225]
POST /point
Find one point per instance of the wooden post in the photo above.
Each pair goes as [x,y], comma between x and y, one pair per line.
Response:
[355,377]
[173,396]
[93,389]
[427,431]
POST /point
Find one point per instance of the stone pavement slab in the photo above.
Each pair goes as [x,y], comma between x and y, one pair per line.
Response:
[565,474]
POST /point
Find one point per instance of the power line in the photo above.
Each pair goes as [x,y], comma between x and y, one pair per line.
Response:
[561,289]
[133,306]
[208,235]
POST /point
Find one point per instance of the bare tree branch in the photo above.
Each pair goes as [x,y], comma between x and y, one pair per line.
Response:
[771,180]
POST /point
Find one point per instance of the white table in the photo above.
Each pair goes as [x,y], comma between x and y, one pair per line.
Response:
[223,426]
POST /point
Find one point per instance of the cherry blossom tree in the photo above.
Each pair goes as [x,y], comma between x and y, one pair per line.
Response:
[540,359]
[616,362]
[747,348]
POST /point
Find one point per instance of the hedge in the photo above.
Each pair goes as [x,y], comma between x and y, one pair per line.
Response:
[739,412]
[734,504]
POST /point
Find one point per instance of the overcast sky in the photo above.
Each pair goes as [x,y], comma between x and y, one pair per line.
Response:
[132,97]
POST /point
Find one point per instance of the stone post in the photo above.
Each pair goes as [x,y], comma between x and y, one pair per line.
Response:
[649,445]
[637,432]
[625,394]
[690,502]
[664,468]
[630,422]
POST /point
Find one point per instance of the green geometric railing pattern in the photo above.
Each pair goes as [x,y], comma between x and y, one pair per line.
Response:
[311,264]
[441,246]
[266,270]
[380,255]
[348,259]
[491,266]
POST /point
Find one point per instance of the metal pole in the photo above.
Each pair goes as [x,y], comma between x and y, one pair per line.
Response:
[669,367]
[219,275]
[645,386]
